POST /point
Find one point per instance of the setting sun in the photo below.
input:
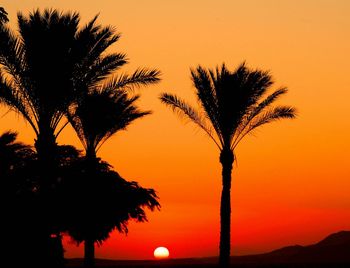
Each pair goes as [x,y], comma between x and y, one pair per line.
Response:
[161,253]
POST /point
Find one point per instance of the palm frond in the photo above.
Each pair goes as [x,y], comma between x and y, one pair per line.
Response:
[101,139]
[92,41]
[108,64]
[185,110]
[271,115]
[232,101]
[113,111]
[204,82]
[122,112]
[255,111]
[88,28]
[13,99]
[104,38]
[237,93]
[92,73]
[139,78]
[11,53]
[13,78]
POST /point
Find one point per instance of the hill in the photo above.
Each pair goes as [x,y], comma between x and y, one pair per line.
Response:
[333,251]
[335,248]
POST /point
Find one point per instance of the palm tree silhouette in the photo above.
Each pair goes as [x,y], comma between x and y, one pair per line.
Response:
[3,16]
[232,105]
[46,68]
[98,201]
[100,113]
[36,71]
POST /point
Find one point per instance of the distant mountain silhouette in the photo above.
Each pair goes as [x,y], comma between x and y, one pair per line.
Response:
[334,248]
[331,252]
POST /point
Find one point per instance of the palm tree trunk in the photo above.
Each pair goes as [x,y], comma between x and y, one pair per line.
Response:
[226,159]
[89,245]
[89,253]
[46,148]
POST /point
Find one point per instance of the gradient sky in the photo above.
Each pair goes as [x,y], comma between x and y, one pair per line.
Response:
[291,184]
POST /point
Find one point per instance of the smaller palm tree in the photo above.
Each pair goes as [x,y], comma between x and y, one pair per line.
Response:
[103,108]
[98,203]
[231,105]
[98,115]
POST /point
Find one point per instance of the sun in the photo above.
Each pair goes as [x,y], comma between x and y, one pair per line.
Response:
[161,253]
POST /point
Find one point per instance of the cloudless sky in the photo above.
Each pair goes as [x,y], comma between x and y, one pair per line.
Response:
[291,183]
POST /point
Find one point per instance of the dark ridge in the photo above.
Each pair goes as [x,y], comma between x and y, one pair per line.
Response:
[335,248]
[331,252]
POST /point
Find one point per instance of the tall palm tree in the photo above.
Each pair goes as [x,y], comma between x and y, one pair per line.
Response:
[113,110]
[36,71]
[98,115]
[46,68]
[231,105]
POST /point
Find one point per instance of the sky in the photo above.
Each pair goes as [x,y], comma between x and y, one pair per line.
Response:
[291,181]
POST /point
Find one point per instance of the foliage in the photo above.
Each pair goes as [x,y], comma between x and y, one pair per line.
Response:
[98,200]
[36,74]
[53,69]
[105,200]
[113,110]
[231,104]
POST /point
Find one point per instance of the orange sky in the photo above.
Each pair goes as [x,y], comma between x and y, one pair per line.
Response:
[292,180]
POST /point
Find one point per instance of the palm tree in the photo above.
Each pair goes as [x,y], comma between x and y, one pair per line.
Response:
[36,81]
[99,201]
[113,110]
[36,71]
[46,68]
[3,16]
[231,105]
